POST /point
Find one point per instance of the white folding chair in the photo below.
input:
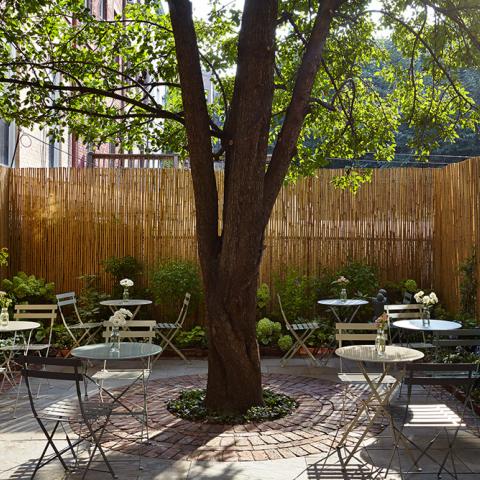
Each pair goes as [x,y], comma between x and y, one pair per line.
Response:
[43,314]
[173,328]
[405,312]
[82,333]
[300,332]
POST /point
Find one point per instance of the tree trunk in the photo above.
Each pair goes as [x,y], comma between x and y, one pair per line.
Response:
[234,377]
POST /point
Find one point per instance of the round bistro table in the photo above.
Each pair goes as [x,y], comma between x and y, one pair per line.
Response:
[338,303]
[120,303]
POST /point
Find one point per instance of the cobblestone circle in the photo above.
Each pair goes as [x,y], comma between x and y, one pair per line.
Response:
[314,427]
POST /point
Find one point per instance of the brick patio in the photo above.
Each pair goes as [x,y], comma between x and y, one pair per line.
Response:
[313,428]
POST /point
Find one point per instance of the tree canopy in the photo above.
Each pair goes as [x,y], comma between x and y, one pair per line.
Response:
[63,68]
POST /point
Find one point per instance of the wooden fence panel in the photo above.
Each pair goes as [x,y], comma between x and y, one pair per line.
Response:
[410,223]
[457,229]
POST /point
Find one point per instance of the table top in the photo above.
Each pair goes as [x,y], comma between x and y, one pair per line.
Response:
[133,302]
[338,302]
[368,353]
[435,325]
[17,326]
[128,351]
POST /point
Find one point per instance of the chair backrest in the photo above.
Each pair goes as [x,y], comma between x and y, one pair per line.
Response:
[355,332]
[133,329]
[44,313]
[70,372]
[183,311]
[457,374]
[463,337]
[285,319]
[66,300]
[404,311]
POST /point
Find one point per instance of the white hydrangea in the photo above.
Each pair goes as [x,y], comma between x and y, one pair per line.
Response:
[126,282]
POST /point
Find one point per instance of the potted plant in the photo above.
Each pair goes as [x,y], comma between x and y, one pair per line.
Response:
[63,342]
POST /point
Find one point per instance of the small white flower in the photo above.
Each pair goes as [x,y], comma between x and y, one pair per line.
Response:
[433,297]
[418,296]
[3,294]
[126,282]
[124,312]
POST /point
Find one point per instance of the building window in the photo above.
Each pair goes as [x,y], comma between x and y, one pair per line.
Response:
[88,4]
[4,137]
[53,153]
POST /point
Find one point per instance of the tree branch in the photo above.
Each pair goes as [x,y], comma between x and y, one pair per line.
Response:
[298,107]
[197,121]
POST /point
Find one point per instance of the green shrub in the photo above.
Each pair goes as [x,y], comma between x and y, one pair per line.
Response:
[285,343]
[324,336]
[3,257]
[469,286]
[299,294]
[268,331]
[196,337]
[23,288]
[171,280]
[410,285]
[263,296]
[122,267]
[89,298]
[363,279]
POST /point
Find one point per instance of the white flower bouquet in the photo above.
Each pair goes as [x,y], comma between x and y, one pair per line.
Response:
[119,318]
[428,300]
[126,282]
[5,301]
[341,281]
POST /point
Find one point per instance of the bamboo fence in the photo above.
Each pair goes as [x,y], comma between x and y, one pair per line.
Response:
[4,189]
[409,222]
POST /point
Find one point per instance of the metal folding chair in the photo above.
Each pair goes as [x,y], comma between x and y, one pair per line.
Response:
[405,312]
[300,332]
[82,333]
[430,416]
[59,416]
[173,328]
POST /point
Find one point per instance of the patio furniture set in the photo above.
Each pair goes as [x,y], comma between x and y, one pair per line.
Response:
[397,363]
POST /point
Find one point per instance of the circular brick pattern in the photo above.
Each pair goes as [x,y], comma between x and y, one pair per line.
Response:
[315,426]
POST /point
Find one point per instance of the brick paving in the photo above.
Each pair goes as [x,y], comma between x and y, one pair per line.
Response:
[314,427]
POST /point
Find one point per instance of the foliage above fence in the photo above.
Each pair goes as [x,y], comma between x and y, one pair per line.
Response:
[410,223]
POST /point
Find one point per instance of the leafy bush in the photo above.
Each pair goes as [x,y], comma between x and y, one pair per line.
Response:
[122,267]
[268,331]
[190,405]
[298,293]
[263,296]
[410,285]
[171,280]
[196,337]
[29,289]
[363,278]
[285,343]
[469,285]
[3,257]
[324,336]
[88,302]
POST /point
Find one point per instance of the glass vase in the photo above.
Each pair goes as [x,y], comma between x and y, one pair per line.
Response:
[115,340]
[4,319]
[126,294]
[380,342]
[426,317]
[343,294]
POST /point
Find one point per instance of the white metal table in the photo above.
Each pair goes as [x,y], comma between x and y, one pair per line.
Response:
[120,303]
[15,327]
[381,392]
[351,306]
[416,324]
[127,351]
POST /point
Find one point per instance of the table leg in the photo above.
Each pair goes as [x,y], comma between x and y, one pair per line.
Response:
[352,316]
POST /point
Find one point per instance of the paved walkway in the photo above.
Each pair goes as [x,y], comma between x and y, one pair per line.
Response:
[21,441]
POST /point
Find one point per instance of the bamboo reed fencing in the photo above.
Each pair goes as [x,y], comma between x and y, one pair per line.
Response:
[4,188]
[409,222]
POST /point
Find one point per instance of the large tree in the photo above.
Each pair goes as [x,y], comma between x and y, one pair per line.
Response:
[290,77]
